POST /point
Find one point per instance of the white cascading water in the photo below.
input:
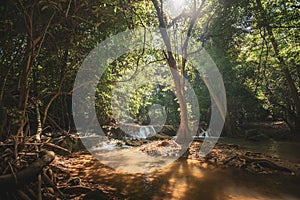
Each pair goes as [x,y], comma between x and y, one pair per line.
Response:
[143,132]
[99,143]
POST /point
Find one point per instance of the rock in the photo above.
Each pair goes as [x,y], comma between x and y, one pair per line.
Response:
[163,144]
[161,148]
[135,143]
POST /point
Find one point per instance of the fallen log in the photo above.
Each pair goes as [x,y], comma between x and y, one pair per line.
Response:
[24,176]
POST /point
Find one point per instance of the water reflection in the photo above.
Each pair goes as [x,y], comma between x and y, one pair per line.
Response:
[184,179]
[282,149]
[132,161]
[145,158]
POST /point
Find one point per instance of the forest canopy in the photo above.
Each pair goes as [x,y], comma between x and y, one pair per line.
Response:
[255,45]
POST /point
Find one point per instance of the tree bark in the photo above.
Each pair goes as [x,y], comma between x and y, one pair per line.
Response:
[27,63]
[183,131]
[32,41]
[24,90]
[3,122]
[228,128]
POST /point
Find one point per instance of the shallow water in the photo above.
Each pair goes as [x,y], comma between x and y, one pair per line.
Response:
[184,179]
[282,149]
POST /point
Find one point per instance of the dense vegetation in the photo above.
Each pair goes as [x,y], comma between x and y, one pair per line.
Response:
[255,45]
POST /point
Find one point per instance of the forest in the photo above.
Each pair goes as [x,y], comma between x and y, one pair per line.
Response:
[149,99]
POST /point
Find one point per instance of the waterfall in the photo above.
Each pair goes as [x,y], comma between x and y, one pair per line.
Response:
[141,132]
[151,131]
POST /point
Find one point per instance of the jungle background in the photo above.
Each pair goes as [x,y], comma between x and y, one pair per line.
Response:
[255,45]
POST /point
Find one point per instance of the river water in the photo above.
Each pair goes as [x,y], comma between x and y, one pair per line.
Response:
[184,179]
[283,149]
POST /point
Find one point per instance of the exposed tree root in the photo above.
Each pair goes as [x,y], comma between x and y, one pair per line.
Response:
[57,148]
[264,163]
[228,155]
[12,181]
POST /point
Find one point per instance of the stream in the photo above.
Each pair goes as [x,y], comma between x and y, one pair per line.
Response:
[184,179]
[282,149]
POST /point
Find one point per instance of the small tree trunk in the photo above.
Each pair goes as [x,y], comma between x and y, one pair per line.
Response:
[228,128]
[39,123]
[296,129]
[3,122]
[24,91]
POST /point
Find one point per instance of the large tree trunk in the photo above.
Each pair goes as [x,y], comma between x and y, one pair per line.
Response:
[183,131]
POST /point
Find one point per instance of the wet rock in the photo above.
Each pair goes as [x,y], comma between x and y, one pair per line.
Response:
[162,148]
[135,143]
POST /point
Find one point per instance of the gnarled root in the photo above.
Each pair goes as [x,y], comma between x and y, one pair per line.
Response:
[24,176]
[264,163]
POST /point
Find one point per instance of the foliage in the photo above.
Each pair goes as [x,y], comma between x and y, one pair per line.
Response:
[255,45]
[269,57]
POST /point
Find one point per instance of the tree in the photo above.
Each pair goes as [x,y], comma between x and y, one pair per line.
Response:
[42,46]
[270,47]
[285,64]
[188,19]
